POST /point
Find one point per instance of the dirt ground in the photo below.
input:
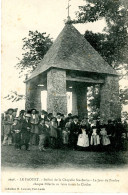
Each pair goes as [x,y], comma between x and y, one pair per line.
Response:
[62,158]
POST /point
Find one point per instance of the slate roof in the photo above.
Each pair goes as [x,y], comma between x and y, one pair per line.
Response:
[71,51]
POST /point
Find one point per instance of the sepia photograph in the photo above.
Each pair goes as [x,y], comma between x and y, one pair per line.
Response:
[64,96]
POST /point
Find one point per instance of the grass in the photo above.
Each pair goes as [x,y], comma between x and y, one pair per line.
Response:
[61,158]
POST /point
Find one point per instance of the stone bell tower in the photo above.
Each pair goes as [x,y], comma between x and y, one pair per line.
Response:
[72,64]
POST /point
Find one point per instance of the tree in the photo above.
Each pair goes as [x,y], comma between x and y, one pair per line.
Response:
[35,46]
[124,96]
[93,95]
[112,43]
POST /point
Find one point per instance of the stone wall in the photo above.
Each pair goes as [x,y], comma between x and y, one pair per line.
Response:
[56,91]
[110,107]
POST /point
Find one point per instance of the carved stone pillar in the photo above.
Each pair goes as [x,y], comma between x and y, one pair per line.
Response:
[56,91]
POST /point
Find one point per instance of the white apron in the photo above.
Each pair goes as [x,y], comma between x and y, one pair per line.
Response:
[83,140]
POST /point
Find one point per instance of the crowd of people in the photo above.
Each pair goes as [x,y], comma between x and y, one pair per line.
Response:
[44,130]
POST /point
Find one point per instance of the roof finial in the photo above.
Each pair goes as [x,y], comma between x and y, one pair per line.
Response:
[68,11]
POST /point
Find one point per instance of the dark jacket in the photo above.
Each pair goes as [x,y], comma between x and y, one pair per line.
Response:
[61,124]
[74,129]
[26,126]
[119,129]
[18,126]
[110,129]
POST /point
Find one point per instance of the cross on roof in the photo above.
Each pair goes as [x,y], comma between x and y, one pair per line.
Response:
[68,9]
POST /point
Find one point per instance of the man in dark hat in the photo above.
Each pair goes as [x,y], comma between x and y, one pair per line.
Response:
[22,115]
[70,115]
[67,118]
[8,121]
[60,121]
[49,116]
[74,131]
[44,114]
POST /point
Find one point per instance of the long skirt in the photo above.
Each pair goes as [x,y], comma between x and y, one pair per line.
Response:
[65,137]
[105,140]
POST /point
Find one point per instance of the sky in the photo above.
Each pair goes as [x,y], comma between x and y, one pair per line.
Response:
[20,16]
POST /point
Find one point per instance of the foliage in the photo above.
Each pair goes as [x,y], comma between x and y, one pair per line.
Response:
[93,97]
[113,44]
[124,96]
[125,115]
[35,46]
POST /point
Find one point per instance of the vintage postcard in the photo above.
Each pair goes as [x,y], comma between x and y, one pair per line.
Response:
[64,99]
